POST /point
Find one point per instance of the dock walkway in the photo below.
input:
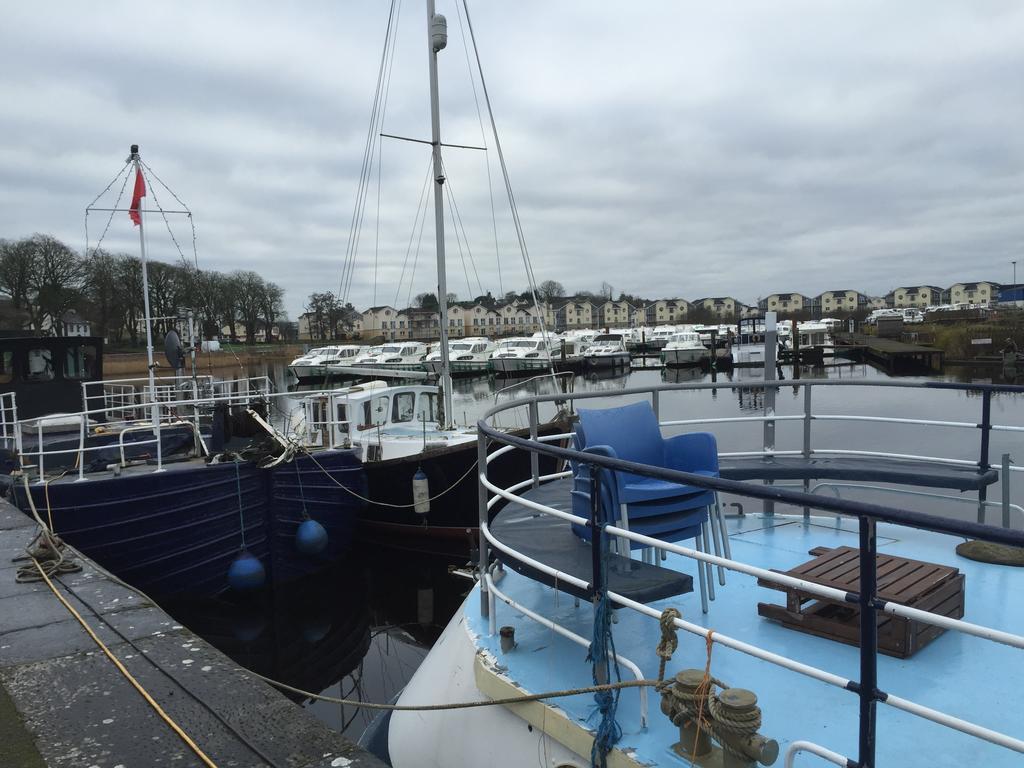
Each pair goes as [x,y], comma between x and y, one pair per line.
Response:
[893,355]
[64,703]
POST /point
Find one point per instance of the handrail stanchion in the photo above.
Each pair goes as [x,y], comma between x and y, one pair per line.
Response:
[986,434]
[39,446]
[656,404]
[868,687]
[770,339]
[596,545]
[534,456]
[807,439]
[81,445]
[481,464]
[1005,476]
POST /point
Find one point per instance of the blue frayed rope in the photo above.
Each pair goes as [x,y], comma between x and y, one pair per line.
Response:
[601,651]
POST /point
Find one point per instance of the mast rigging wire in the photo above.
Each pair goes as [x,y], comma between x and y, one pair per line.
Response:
[420,206]
[383,75]
[508,187]
[113,210]
[483,140]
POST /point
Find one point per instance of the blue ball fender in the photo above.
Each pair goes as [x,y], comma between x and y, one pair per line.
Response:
[246,573]
[310,538]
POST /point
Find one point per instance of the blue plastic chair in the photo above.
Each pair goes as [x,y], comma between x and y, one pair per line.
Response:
[657,508]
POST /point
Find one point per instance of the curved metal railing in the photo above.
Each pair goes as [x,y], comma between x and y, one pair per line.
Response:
[867,514]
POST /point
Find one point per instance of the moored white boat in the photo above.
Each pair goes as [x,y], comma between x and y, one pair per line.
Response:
[607,351]
[399,356]
[519,356]
[685,348]
[315,364]
[468,356]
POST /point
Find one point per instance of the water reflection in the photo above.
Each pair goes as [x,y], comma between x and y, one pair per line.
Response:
[355,631]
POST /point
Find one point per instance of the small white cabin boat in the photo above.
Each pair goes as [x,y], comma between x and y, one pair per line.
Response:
[517,356]
[403,356]
[685,348]
[466,356]
[315,363]
[607,351]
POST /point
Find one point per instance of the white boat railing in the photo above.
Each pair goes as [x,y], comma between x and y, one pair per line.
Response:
[870,605]
[177,413]
[10,434]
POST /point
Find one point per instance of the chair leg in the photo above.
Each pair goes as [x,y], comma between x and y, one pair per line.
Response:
[625,545]
[710,569]
[725,530]
[700,577]
[716,536]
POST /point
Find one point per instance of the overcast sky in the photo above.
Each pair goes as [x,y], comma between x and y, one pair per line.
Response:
[669,149]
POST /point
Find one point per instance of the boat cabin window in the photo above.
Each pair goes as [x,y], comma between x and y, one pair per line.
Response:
[428,408]
[80,361]
[404,407]
[40,365]
[375,411]
[341,416]
[6,366]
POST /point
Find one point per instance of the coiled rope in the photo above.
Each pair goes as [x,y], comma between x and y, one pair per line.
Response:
[47,552]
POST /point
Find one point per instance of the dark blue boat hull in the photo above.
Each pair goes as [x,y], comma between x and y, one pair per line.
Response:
[177,531]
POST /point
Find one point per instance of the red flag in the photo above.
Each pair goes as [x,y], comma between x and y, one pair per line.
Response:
[140,192]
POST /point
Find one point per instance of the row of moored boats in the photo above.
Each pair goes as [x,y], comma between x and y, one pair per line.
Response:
[678,346]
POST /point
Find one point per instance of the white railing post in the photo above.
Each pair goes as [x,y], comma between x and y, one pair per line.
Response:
[81,445]
[39,446]
[1006,489]
[807,438]
[534,456]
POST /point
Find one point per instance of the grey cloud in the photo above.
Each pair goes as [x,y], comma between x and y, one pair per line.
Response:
[666,148]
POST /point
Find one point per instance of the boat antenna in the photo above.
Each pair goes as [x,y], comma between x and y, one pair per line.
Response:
[437,39]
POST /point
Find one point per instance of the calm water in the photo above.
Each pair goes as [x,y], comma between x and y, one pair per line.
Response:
[360,630]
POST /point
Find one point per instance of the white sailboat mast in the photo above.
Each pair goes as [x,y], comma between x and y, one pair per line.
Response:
[154,408]
[437,39]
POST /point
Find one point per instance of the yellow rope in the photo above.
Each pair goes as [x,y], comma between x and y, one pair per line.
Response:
[117,662]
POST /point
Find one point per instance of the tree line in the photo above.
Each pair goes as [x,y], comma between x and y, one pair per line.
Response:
[45,279]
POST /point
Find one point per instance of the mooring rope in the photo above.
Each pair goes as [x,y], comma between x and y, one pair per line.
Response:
[463,704]
[124,671]
[46,550]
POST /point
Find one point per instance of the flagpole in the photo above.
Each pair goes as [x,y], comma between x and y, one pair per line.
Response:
[154,408]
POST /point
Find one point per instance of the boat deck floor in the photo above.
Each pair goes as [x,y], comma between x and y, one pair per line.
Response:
[975,679]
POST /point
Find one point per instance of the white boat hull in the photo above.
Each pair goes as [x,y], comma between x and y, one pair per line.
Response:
[685,356]
[606,362]
[510,366]
[448,675]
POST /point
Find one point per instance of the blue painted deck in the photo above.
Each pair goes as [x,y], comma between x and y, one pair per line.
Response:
[968,677]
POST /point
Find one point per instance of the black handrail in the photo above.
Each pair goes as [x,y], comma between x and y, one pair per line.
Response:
[885,514]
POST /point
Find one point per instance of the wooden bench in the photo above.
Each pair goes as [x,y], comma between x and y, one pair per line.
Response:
[915,583]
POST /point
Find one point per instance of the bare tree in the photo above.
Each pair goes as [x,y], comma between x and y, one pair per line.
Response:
[550,289]
[272,306]
[56,281]
[247,288]
[17,264]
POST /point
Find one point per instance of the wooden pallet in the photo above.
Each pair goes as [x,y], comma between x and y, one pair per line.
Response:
[915,583]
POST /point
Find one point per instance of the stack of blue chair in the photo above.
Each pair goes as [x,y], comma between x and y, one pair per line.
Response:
[657,508]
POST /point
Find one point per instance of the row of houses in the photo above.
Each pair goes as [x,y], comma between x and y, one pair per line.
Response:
[524,318]
[919,296]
